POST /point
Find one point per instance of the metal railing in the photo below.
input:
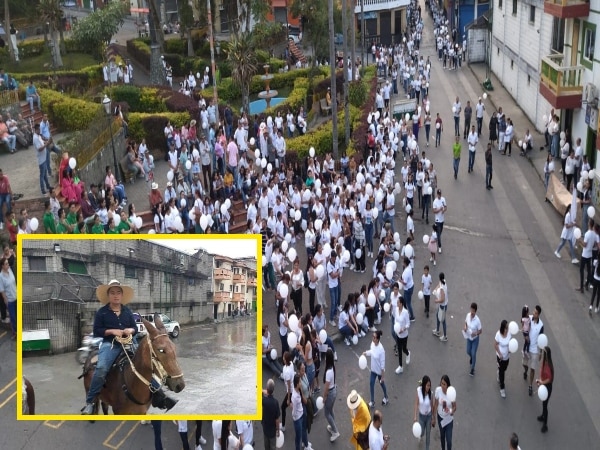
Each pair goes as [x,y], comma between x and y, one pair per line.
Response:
[559,78]
[562,3]
[9,97]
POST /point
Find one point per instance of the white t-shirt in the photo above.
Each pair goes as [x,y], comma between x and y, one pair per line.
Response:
[473,325]
[375,438]
[426,281]
[330,378]
[343,319]
[407,278]
[590,239]
[424,402]
[535,329]
[442,398]
[439,202]
[502,345]
[332,268]
[288,376]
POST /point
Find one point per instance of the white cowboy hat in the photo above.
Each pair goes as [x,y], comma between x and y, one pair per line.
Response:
[353,400]
[102,292]
[154,186]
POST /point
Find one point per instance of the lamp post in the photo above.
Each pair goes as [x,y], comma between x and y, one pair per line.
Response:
[107,109]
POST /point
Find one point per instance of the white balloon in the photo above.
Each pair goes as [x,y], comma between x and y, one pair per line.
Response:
[591,174]
[257,154]
[513,328]
[72,163]
[584,174]
[429,190]
[319,402]
[563,135]
[485,96]
[407,117]
[542,392]
[116,220]
[170,175]
[34,224]
[273,354]
[362,308]
[318,224]
[451,394]
[183,202]
[355,339]
[284,246]
[188,164]
[579,186]
[520,143]
[204,222]
[297,215]
[454,110]
[223,209]
[397,328]
[396,236]
[263,163]
[320,271]
[513,345]
[408,208]
[284,290]
[304,225]
[542,341]
[360,318]
[195,153]
[311,152]
[323,336]
[269,167]
[371,299]
[386,307]
[382,295]
[292,319]
[396,256]
[369,189]
[346,256]
[318,183]
[591,211]
[577,233]
[292,255]
[416,429]
[375,213]
[420,295]
[425,239]
[288,238]
[389,273]
[292,340]
[280,439]
[139,222]
[152,231]
[362,362]
[252,141]
[248,447]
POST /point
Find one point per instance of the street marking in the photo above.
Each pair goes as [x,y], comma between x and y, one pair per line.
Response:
[7,386]
[106,443]
[8,399]
[56,425]
[3,334]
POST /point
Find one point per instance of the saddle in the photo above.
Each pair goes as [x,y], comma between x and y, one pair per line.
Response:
[121,362]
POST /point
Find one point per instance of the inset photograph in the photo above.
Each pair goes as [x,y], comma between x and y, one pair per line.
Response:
[139,326]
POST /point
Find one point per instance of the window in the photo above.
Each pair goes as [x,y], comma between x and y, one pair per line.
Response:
[72,266]
[558,35]
[191,281]
[514,9]
[588,44]
[237,288]
[499,4]
[512,64]
[531,14]
[130,272]
[37,263]
[221,287]
[231,288]
[528,80]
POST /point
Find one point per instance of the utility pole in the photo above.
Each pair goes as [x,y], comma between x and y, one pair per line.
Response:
[332,65]
[345,68]
[353,34]
[212,60]
[362,33]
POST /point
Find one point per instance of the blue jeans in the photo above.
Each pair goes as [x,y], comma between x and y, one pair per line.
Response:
[375,376]
[446,434]
[50,149]
[347,332]
[298,426]
[106,357]
[457,125]
[335,301]
[472,346]
[437,320]
[44,185]
[5,199]
[561,245]
[425,422]
[554,148]
[369,236]
[471,159]
[329,404]
[427,131]
[12,310]
[387,217]
[119,193]
[310,373]
[157,428]
[438,136]
[488,175]
[408,299]
[456,164]
[31,98]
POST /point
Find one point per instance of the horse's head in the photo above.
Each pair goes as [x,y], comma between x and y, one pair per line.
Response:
[165,353]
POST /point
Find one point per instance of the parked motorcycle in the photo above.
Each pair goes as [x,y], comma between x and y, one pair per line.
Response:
[90,343]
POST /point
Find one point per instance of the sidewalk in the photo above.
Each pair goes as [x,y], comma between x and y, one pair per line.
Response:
[500,97]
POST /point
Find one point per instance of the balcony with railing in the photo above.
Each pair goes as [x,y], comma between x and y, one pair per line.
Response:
[239,278]
[239,297]
[561,85]
[379,5]
[567,9]
[251,281]
[222,296]
[222,274]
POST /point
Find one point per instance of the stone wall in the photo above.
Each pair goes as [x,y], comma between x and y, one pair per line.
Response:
[95,170]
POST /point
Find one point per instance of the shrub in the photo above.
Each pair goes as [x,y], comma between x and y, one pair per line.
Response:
[359,135]
[150,101]
[68,114]
[31,48]
[178,46]
[178,102]
[151,127]
[357,93]
[129,94]
[139,50]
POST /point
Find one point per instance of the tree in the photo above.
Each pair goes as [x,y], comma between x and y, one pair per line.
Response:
[241,54]
[156,31]
[52,14]
[11,51]
[94,32]
[315,25]
[186,15]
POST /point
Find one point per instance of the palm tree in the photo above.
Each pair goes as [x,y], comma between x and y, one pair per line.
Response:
[241,54]
[51,13]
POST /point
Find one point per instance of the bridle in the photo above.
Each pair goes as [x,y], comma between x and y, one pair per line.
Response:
[159,374]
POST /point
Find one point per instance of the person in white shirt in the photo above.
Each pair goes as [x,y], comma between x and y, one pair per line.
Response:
[456,110]
[567,235]
[501,341]
[508,136]
[377,440]
[401,326]
[472,330]
[423,404]
[439,208]
[445,410]
[390,211]
[426,282]
[472,140]
[441,298]
[407,281]
[531,359]
[377,354]
[590,241]
[479,109]
[216,429]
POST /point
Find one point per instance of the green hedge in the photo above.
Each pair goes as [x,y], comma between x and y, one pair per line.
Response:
[151,127]
[67,113]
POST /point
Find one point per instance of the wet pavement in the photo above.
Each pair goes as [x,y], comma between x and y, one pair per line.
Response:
[214,359]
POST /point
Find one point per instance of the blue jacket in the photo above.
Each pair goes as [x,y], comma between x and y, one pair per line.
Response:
[106,319]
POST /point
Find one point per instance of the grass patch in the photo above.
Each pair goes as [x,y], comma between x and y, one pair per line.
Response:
[43,62]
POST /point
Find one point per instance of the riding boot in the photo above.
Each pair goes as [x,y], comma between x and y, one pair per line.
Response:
[160,400]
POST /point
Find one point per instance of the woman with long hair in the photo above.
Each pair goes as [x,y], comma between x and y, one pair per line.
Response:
[445,410]
[502,354]
[401,325]
[546,379]
[282,323]
[423,408]
[441,298]
[329,394]
[296,284]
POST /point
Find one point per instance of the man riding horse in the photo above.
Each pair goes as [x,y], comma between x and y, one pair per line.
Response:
[113,322]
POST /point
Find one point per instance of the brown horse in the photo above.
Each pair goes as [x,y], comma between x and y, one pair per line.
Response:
[127,390]
[28,406]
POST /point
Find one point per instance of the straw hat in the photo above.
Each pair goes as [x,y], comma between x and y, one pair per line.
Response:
[102,292]
[353,400]
[169,184]
[154,186]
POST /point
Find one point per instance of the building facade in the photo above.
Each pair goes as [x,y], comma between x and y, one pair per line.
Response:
[234,286]
[384,20]
[543,52]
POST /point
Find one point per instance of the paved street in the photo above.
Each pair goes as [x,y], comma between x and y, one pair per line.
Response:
[498,252]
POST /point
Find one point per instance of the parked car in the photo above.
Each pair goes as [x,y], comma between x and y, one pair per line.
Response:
[338,39]
[295,38]
[172,326]
[138,322]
